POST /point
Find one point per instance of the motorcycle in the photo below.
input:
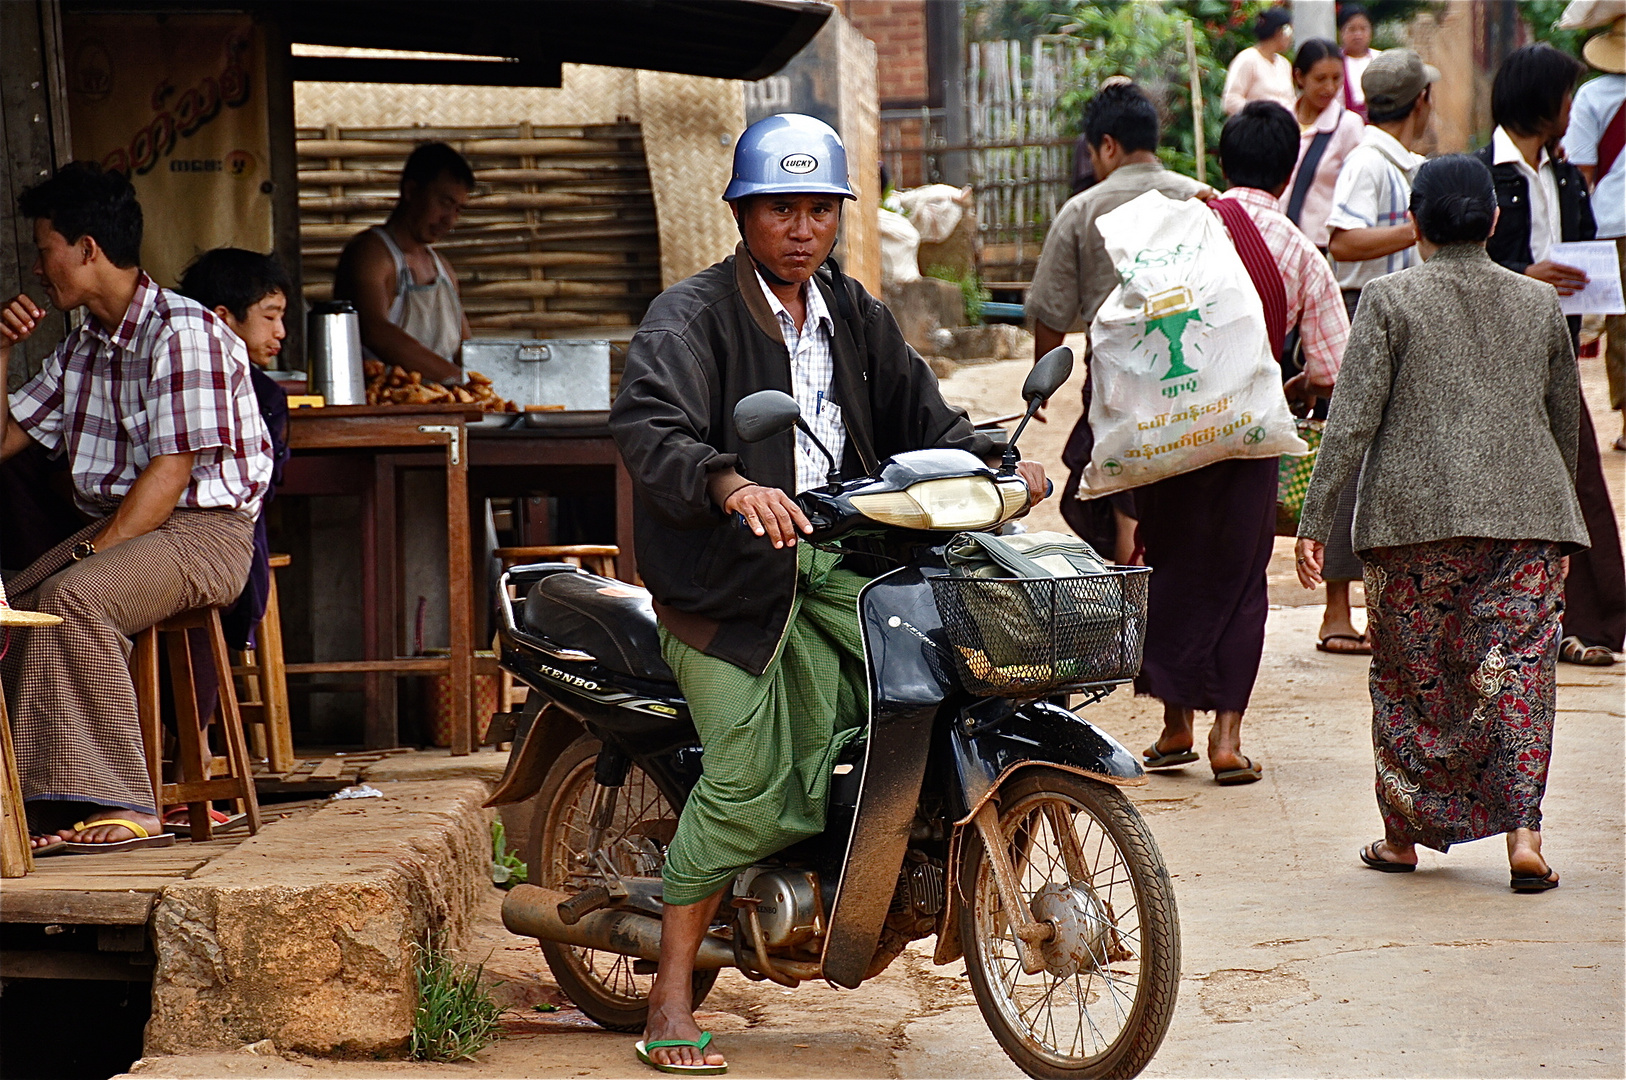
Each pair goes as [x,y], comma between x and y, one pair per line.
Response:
[976,806]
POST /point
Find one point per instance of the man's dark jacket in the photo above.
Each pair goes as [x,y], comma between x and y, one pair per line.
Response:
[707,342]
[1509,245]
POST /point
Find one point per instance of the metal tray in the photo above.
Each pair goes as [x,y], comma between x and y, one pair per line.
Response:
[572,373]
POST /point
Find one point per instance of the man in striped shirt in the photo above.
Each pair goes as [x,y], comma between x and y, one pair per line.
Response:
[150,401]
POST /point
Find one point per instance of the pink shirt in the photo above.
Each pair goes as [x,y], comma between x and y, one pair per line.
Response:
[1253,78]
[1346,129]
[1314,303]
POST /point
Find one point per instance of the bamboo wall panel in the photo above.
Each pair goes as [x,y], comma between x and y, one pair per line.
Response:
[560,238]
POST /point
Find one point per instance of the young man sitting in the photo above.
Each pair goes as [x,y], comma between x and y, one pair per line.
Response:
[150,400]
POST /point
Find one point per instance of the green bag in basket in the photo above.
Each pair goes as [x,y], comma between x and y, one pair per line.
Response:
[1293,481]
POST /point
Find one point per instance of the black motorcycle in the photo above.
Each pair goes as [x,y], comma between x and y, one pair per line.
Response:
[976,807]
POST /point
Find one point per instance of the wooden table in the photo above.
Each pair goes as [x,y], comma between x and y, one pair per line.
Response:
[386,439]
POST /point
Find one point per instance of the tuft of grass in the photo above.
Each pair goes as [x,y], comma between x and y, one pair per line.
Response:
[507,869]
[456,1016]
[972,294]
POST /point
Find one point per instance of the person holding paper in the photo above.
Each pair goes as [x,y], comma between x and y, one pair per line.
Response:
[1594,143]
[1543,201]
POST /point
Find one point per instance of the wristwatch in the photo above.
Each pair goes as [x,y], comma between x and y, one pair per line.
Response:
[84,549]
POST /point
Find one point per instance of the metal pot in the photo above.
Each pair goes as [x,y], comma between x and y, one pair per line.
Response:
[333,353]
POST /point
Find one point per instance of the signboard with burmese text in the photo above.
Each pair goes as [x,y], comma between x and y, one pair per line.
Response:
[177,103]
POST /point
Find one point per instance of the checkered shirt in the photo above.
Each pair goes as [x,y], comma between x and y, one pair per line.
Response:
[812,368]
[171,379]
[1314,303]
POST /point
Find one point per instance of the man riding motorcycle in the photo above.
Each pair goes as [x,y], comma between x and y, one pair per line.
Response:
[761,633]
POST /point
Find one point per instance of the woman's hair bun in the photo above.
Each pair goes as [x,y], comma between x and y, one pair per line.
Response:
[1454,200]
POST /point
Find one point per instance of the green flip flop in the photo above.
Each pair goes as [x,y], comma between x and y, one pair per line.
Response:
[699,1044]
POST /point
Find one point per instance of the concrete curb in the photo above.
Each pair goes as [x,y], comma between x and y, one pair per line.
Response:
[304,934]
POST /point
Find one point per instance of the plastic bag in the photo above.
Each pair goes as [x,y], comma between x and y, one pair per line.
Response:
[935,209]
[1179,358]
[899,245]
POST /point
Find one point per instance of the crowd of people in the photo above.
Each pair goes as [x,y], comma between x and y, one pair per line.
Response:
[1422,296]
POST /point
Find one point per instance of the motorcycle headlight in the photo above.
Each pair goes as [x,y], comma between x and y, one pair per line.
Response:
[962,502]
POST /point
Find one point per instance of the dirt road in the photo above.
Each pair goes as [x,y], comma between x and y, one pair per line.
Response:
[1297,961]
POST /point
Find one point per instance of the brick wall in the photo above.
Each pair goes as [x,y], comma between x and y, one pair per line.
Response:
[898,28]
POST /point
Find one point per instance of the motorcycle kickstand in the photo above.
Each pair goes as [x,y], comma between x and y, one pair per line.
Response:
[1030,933]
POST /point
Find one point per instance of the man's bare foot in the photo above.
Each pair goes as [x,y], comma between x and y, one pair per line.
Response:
[111,834]
[676,1022]
[49,840]
[1524,855]
[1225,743]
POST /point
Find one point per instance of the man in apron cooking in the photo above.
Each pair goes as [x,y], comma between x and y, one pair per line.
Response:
[406,295]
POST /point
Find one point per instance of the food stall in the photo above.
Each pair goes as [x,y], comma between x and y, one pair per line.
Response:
[565,241]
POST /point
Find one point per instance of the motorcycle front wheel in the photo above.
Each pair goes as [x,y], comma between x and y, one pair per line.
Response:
[1086,864]
[603,985]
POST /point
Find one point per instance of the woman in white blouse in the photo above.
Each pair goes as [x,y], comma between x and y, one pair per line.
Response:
[1355,33]
[1261,72]
[1327,133]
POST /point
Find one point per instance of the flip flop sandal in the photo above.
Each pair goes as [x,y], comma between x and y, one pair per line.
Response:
[179,821]
[141,839]
[1364,650]
[1572,650]
[1533,882]
[1370,856]
[1153,758]
[699,1044]
[1246,775]
[55,847]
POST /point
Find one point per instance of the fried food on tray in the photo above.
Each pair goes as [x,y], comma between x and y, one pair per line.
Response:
[397,386]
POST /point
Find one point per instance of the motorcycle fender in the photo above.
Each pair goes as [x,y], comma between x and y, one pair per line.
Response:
[532,756]
[1038,735]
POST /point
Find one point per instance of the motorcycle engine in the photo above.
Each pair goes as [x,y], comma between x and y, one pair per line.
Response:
[790,909]
[916,903]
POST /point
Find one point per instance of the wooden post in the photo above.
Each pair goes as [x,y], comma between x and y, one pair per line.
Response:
[1198,135]
[16,856]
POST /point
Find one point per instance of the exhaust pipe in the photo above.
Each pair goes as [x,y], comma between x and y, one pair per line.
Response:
[532,911]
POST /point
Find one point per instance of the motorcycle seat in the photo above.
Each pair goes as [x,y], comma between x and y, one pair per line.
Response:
[611,620]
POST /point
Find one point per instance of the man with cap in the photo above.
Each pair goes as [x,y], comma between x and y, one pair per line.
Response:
[1371,234]
[1596,144]
[760,632]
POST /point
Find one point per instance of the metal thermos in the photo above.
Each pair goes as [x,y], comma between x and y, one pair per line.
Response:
[333,349]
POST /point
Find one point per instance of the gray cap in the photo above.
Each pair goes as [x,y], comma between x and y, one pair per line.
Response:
[1394,78]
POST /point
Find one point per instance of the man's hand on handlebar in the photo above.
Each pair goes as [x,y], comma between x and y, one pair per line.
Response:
[770,512]
[1038,486]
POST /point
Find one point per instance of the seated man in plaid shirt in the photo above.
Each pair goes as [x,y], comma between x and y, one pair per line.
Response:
[150,401]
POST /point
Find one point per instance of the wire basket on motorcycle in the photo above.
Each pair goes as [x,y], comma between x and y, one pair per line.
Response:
[1027,635]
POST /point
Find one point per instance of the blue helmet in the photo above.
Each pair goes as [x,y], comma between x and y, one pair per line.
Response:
[789,154]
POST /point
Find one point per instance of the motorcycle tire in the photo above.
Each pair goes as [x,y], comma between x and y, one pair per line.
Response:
[602,985]
[1103,1001]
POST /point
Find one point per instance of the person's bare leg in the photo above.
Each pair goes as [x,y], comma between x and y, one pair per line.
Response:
[671,998]
[1338,618]
[1177,730]
[1225,742]
[1124,549]
[1524,854]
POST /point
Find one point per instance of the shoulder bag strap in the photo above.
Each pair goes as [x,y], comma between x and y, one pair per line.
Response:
[1306,177]
[1609,147]
[1256,256]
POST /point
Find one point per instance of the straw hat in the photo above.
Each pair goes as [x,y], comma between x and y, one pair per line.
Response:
[1607,51]
[10,616]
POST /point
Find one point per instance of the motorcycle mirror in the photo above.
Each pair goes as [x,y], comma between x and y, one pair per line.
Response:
[1053,369]
[764,414]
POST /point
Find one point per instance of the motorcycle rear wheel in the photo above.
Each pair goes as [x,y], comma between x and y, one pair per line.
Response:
[1103,1003]
[603,985]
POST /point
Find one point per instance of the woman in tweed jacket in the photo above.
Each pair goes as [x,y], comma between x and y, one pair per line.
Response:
[1459,390]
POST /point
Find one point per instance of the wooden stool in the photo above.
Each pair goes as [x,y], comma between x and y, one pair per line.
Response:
[594,558]
[192,788]
[264,702]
